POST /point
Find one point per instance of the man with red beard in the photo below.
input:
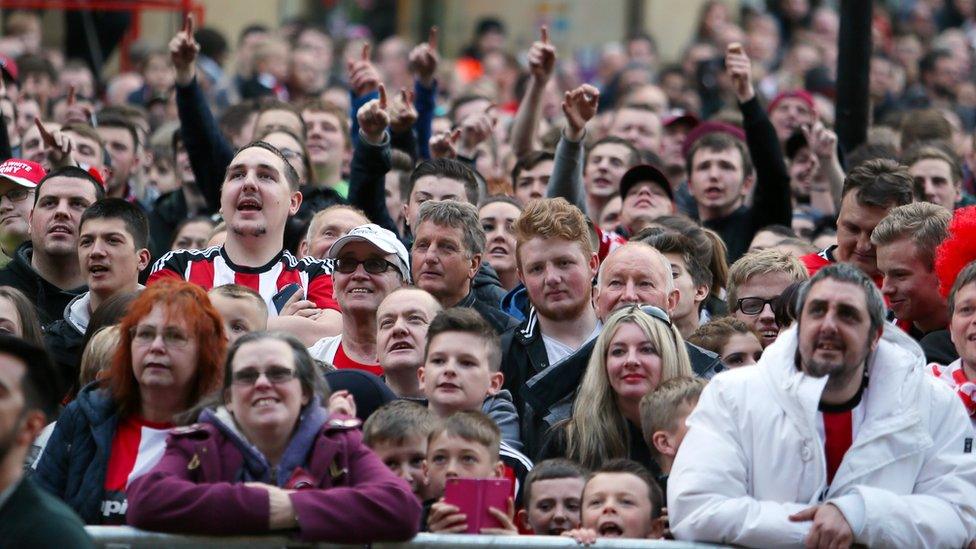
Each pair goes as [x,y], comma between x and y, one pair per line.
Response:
[556,263]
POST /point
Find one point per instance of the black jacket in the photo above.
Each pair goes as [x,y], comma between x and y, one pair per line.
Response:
[48,298]
[31,517]
[493,315]
[547,398]
[523,357]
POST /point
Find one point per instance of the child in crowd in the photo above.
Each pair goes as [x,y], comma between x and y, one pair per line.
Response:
[620,500]
[464,445]
[552,497]
[242,309]
[663,414]
[398,433]
[461,371]
[733,340]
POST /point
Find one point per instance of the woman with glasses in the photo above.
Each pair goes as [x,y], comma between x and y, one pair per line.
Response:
[270,459]
[635,352]
[170,354]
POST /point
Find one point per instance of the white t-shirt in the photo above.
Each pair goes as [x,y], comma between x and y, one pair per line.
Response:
[557,350]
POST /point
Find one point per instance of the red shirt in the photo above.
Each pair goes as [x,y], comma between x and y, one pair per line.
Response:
[136,448]
[342,361]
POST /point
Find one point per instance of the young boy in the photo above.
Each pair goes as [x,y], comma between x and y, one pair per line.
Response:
[242,309]
[461,371]
[663,413]
[464,445]
[398,433]
[620,500]
[552,497]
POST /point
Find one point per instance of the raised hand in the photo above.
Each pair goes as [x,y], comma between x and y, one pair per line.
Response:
[822,140]
[403,115]
[363,76]
[739,68]
[183,50]
[57,146]
[75,111]
[374,118]
[342,403]
[424,59]
[444,145]
[542,57]
[475,129]
[579,106]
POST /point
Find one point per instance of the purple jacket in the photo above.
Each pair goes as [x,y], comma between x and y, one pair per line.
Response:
[197,488]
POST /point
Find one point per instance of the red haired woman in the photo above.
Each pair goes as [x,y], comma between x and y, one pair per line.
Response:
[170,354]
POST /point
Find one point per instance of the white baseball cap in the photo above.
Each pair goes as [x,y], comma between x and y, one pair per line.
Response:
[383,239]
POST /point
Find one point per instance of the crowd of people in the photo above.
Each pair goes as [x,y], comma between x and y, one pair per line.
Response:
[349,290]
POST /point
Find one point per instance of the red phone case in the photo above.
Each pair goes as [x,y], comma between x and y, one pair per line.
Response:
[474,496]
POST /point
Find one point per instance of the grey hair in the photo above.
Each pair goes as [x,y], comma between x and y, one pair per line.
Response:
[669,284]
[456,215]
[843,272]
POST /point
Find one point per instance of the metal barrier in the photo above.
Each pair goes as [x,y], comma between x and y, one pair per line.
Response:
[120,537]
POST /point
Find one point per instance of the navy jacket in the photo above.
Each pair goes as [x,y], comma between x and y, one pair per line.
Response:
[74,462]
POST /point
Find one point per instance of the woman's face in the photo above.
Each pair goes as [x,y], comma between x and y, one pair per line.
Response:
[265,394]
[10,318]
[741,350]
[193,236]
[633,362]
[164,351]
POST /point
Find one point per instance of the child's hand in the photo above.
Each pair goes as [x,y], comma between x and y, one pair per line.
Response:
[586,536]
[508,521]
[342,403]
[446,518]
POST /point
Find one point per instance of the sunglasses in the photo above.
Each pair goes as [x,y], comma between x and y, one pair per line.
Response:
[347,265]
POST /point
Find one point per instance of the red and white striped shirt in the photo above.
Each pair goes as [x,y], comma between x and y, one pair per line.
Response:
[211,267]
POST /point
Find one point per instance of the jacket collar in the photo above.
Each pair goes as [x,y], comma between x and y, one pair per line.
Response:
[256,466]
[891,368]
[96,403]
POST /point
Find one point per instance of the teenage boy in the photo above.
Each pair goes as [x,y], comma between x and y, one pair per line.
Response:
[663,414]
[112,250]
[754,285]
[552,497]
[464,445]
[397,433]
[241,308]
[620,500]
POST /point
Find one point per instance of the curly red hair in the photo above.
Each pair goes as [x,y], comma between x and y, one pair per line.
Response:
[188,302]
[958,249]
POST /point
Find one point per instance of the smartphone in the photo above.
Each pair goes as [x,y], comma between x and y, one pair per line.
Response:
[284,294]
[474,496]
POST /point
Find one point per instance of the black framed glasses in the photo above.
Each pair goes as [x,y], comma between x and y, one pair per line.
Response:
[755,305]
[17,194]
[347,265]
[276,375]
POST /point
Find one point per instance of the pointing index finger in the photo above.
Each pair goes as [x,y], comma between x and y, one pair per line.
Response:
[71,95]
[188,24]
[544,31]
[366,49]
[382,97]
[432,38]
[45,135]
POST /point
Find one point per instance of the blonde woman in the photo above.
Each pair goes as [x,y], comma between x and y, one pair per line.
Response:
[637,350]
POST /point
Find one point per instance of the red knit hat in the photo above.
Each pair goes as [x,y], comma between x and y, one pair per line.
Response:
[802,95]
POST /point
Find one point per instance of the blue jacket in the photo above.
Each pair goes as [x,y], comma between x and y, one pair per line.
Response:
[74,462]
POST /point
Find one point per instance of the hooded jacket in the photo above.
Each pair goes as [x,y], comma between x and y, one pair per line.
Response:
[63,337]
[343,492]
[753,456]
[48,298]
[75,459]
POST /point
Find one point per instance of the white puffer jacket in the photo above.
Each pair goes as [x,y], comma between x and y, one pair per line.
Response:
[752,456]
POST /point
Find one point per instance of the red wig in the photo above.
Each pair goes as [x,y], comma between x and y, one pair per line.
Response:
[958,250]
[189,303]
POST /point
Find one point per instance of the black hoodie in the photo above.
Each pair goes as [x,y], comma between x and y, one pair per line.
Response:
[48,298]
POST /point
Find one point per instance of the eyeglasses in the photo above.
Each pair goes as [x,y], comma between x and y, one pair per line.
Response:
[144,336]
[755,305]
[290,154]
[347,265]
[17,194]
[276,375]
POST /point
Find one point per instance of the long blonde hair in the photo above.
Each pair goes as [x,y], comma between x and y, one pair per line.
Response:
[597,431]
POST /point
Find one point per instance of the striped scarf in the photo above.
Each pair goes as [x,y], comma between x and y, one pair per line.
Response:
[955,377]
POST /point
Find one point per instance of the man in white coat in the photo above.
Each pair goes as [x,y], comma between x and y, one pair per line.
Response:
[837,436]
